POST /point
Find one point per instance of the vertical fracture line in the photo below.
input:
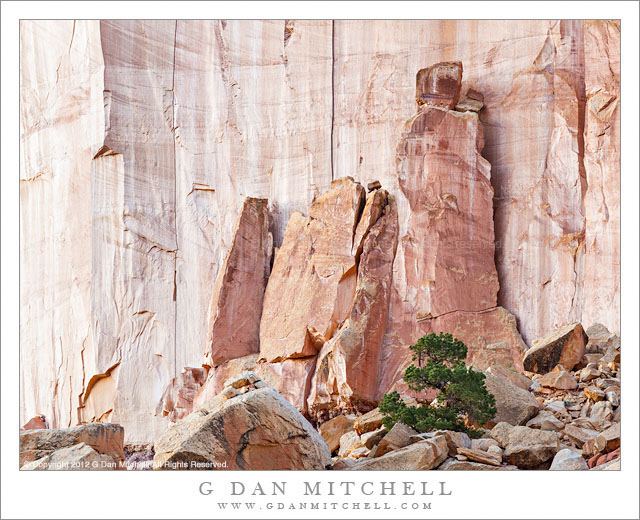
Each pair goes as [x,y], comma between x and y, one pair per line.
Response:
[175,206]
[333,85]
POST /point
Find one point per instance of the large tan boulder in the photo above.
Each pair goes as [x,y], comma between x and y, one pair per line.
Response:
[515,405]
[254,428]
[423,455]
[557,379]
[335,428]
[314,272]
[525,447]
[565,347]
[236,304]
[104,438]
[79,457]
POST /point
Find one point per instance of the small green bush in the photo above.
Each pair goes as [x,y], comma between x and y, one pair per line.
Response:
[462,393]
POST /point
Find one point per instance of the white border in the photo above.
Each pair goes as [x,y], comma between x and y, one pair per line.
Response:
[175,495]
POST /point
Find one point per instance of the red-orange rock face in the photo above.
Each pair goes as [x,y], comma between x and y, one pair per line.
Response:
[313,278]
[449,246]
[236,306]
[347,366]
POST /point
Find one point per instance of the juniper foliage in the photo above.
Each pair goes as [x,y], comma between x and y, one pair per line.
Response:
[462,392]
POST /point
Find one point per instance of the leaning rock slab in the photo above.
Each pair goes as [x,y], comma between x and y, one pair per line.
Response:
[236,305]
[257,430]
[423,455]
[347,367]
[104,438]
[314,272]
[563,347]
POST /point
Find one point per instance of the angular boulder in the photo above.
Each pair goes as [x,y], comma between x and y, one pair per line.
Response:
[457,440]
[236,305]
[368,422]
[568,460]
[557,379]
[515,405]
[371,439]
[545,420]
[258,429]
[439,85]
[525,447]
[398,437]
[528,448]
[579,435]
[601,412]
[608,440]
[335,428]
[349,442]
[423,455]
[565,347]
[594,393]
[600,339]
[79,457]
[104,438]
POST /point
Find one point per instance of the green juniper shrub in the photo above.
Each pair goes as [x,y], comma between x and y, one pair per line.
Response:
[462,394]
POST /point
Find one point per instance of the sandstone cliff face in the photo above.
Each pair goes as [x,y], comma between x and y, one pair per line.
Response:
[142,139]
